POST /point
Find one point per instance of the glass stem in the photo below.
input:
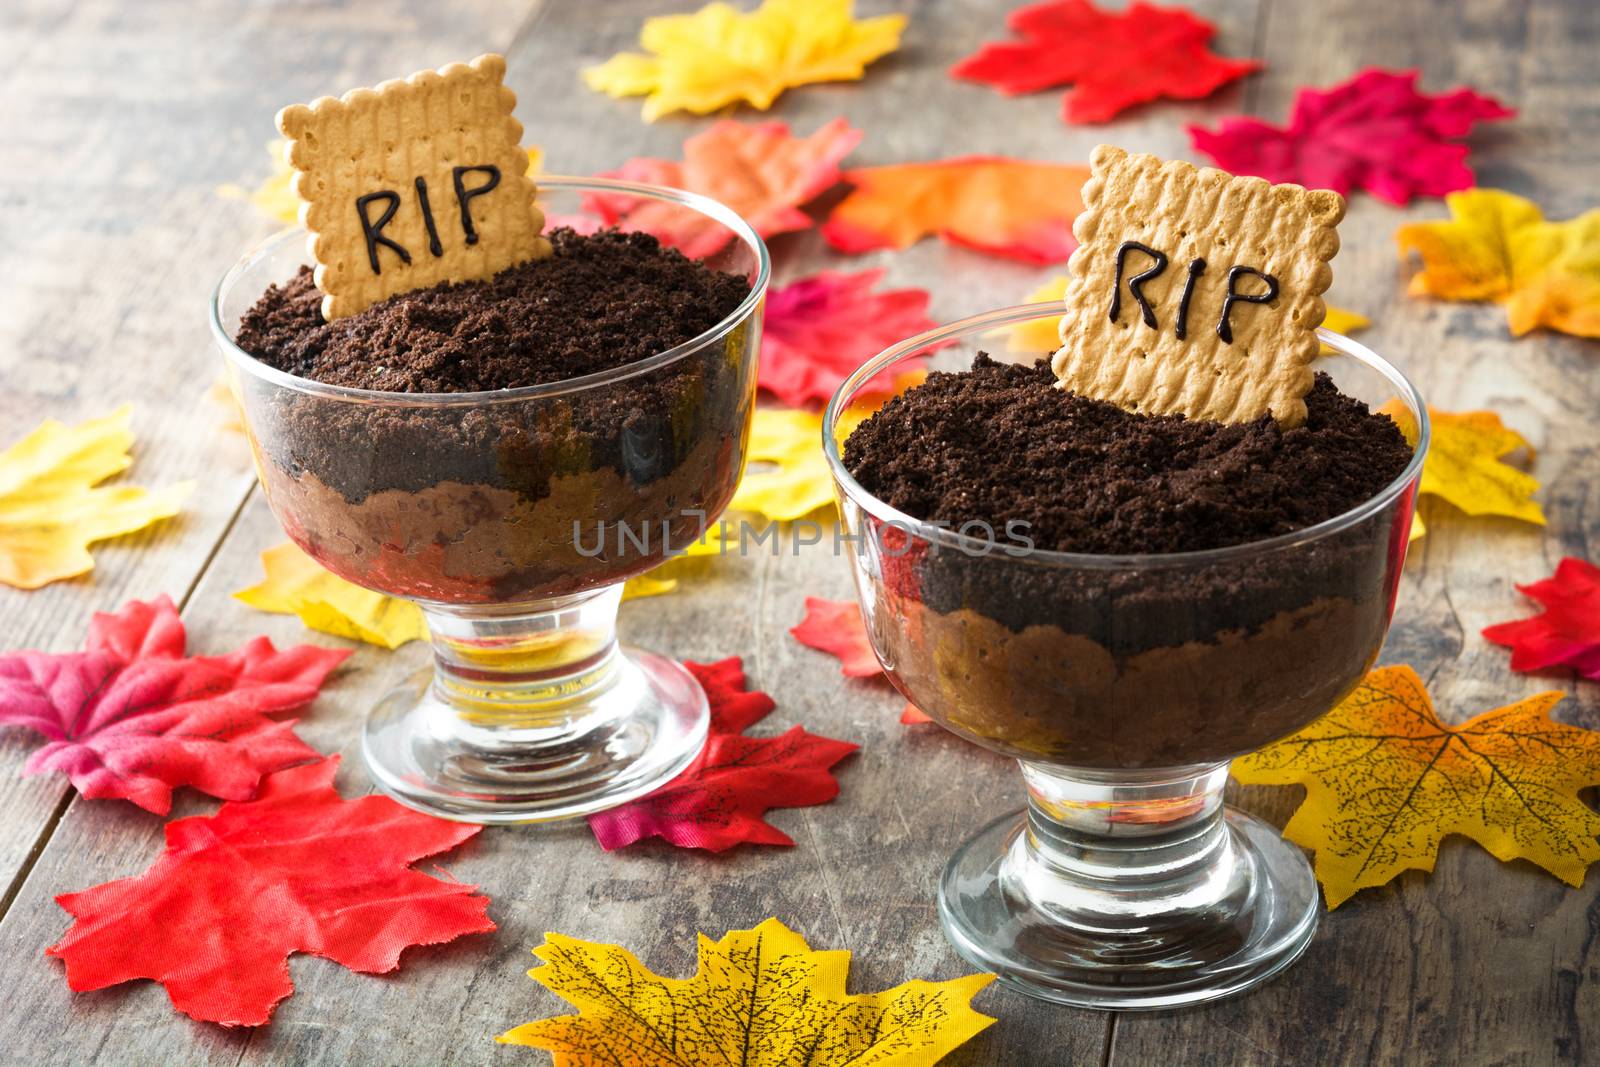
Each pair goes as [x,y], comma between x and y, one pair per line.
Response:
[1100,853]
[530,668]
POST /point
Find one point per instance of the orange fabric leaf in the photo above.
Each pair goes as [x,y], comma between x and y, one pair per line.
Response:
[836,627]
[1005,207]
[1500,247]
[760,170]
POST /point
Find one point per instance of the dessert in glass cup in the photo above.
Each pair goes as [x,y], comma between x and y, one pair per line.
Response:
[506,452]
[1123,603]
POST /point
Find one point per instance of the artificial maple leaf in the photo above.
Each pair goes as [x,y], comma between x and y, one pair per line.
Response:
[50,508]
[759,997]
[1464,468]
[719,801]
[759,170]
[296,584]
[298,869]
[719,55]
[221,395]
[837,628]
[1498,246]
[1386,781]
[798,481]
[274,197]
[1005,207]
[648,585]
[1373,132]
[1114,60]
[819,329]
[1344,322]
[131,717]
[1567,634]
[1042,335]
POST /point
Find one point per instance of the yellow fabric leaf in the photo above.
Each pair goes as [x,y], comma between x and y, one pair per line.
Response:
[1497,246]
[275,196]
[759,997]
[1344,322]
[1463,465]
[50,510]
[792,478]
[221,395]
[1039,335]
[720,55]
[1386,782]
[296,584]
[648,585]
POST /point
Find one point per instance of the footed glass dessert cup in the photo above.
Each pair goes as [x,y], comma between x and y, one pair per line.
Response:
[513,518]
[1124,685]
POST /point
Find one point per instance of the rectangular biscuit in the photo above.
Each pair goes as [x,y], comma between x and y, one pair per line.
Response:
[413,183]
[1196,292]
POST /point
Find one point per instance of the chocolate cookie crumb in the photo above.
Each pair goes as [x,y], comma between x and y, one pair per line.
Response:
[601,301]
[1000,443]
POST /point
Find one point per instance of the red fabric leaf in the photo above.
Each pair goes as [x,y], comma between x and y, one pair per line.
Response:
[1114,59]
[718,802]
[131,717]
[299,869]
[759,170]
[1567,634]
[836,627]
[1375,132]
[820,329]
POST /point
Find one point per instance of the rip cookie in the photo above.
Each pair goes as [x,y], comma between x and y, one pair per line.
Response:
[413,183]
[1196,292]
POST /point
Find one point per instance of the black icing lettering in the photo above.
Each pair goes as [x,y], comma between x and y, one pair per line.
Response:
[374,230]
[1135,282]
[427,218]
[1197,267]
[464,195]
[1224,326]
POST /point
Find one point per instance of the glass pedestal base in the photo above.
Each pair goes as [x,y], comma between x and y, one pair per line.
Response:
[534,716]
[1209,905]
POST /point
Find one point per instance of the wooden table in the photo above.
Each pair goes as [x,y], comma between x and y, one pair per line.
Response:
[120,121]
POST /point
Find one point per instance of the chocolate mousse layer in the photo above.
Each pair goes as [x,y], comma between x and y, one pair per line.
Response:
[476,501]
[1162,662]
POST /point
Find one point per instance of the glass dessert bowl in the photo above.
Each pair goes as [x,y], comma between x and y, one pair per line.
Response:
[513,518]
[1124,685]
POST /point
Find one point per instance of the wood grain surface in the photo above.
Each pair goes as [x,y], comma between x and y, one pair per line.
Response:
[121,119]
